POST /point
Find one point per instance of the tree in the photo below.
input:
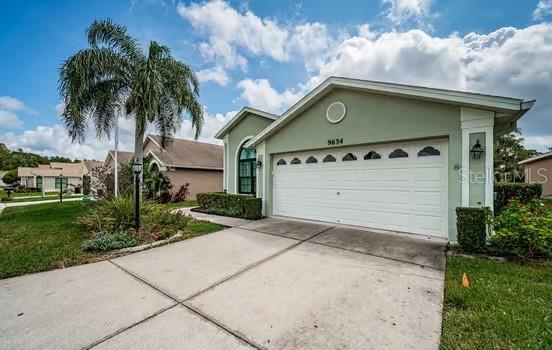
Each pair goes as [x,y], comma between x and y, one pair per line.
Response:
[508,152]
[115,76]
[11,178]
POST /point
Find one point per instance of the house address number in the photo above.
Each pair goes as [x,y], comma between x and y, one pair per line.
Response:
[333,142]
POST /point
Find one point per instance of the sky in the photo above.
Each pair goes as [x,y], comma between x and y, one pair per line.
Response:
[269,54]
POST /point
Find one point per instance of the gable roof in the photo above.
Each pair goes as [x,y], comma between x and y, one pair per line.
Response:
[506,107]
[536,158]
[239,116]
[122,157]
[180,153]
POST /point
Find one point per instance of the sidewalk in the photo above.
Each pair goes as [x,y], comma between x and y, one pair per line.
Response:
[20,204]
[217,219]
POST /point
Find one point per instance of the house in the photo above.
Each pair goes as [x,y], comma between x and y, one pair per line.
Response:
[122,157]
[50,177]
[538,169]
[198,164]
[373,154]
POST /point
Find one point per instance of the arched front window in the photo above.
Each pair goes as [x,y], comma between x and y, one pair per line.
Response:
[246,171]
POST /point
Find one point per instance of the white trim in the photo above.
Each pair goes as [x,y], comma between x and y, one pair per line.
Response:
[338,103]
[224,165]
[152,140]
[512,106]
[535,158]
[489,168]
[237,165]
[160,162]
[239,116]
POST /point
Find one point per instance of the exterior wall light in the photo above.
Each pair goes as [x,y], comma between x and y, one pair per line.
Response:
[476,150]
[258,164]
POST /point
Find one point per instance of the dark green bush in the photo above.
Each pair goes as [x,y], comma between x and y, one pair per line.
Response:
[110,241]
[471,225]
[524,230]
[235,205]
[520,191]
[6,199]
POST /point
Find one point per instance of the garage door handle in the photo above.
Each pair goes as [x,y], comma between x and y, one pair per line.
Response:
[338,193]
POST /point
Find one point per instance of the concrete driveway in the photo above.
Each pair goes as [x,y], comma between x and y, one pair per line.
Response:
[273,283]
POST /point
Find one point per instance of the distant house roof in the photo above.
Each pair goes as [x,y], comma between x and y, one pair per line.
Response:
[122,157]
[180,153]
[92,164]
[536,158]
[52,170]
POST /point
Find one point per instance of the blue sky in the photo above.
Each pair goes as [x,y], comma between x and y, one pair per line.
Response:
[268,54]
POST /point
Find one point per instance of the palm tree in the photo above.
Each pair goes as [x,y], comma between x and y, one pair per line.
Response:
[114,76]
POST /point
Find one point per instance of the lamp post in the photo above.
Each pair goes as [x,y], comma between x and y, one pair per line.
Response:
[137,168]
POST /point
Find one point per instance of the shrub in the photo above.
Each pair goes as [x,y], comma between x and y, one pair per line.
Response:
[524,230]
[117,215]
[109,215]
[471,225]
[110,241]
[10,177]
[6,199]
[230,205]
[160,223]
[523,192]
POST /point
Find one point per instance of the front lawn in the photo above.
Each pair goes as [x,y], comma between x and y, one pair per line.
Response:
[507,305]
[43,237]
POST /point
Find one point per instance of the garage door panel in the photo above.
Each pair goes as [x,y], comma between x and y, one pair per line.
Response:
[405,194]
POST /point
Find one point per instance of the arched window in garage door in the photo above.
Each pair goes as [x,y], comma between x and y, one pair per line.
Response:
[398,153]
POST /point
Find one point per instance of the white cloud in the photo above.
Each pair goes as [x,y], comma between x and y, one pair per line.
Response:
[401,12]
[12,104]
[53,140]
[225,25]
[543,10]
[260,94]
[9,119]
[216,74]
[233,34]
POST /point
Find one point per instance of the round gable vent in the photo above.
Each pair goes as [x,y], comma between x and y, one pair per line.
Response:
[336,112]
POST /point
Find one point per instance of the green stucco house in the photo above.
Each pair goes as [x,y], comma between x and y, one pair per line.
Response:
[372,154]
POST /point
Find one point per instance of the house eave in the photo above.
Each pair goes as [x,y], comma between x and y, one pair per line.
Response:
[506,105]
[239,116]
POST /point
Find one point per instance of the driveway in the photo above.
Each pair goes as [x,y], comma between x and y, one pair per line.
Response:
[273,283]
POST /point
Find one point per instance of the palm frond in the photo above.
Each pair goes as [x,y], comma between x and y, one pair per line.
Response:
[114,36]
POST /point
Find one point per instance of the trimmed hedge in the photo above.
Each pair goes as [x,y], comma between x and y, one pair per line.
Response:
[235,205]
[523,192]
[471,225]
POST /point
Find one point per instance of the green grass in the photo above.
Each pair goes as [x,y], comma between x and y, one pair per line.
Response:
[186,204]
[44,236]
[507,306]
[40,237]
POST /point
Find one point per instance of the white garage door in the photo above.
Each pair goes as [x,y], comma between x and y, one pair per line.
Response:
[399,186]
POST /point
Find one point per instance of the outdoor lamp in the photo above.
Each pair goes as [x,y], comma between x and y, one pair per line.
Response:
[258,164]
[476,150]
[137,168]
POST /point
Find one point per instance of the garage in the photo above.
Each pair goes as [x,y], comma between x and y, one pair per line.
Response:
[393,186]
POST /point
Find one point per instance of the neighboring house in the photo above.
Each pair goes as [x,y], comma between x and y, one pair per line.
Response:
[90,165]
[371,154]
[2,173]
[198,164]
[122,157]
[538,169]
[53,176]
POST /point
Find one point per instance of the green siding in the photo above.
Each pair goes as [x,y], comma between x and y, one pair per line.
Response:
[250,125]
[373,118]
